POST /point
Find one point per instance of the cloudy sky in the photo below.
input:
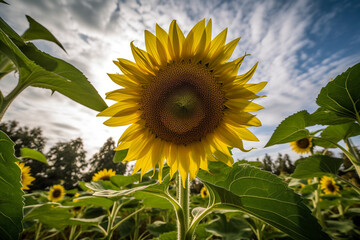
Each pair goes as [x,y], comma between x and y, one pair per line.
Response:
[300,45]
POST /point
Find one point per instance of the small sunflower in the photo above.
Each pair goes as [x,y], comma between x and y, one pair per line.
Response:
[103,175]
[76,196]
[26,178]
[57,193]
[329,186]
[204,192]
[185,101]
[302,145]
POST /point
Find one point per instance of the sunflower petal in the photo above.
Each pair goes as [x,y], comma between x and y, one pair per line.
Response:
[121,121]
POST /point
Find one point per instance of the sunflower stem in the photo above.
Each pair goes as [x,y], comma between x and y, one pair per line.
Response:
[184,200]
[5,103]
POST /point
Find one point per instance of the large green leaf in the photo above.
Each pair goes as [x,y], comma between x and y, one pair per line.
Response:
[316,166]
[235,228]
[52,214]
[37,31]
[158,227]
[33,154]
[153,201]
[263,195]
[92,200]
[39,69]
[336,133]
[120,155]
[325,117]
[291,129]
[342,95]
[123,181]
[11,196]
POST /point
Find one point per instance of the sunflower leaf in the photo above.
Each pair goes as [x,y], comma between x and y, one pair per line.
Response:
[263,195]
[33,154]
[325,117]
[336,133]
[37,31]
[11,197]
[51,214]
[290,129]
[342,95]
[39,69]
[316,166]
[92,200]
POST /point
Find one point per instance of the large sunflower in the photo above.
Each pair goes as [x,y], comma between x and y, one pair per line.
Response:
[56,193]
[329,186]
[26,178]
[103,175]
[185,102]
[302,145]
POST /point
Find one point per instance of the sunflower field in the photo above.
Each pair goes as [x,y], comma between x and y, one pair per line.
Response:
[186,108]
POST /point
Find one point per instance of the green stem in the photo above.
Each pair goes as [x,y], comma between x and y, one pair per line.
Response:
[354,153]
[38,231]
[196,221]
[10,98]
[317,200]
[111,219]
[72,235]
[348,154]
[184,200]
[350,183]
[127,217]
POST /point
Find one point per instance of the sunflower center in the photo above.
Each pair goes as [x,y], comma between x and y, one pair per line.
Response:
[183,103]
[105,177]
[330,186]
[303,143]
[56,193]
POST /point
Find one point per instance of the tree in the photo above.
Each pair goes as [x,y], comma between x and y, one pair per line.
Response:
[267,163]
[283,165]
[24,137]
[104,159]
[66,162]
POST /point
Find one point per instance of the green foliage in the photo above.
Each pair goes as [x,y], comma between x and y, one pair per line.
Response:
[39,69]
[291,129]
[342,95]
[11,197]
[120,155]
[37,31]
[33,154]
[325,117]
[316,166]
[336,133]
[264,196]
[158,227]
[92,200]
[234,228]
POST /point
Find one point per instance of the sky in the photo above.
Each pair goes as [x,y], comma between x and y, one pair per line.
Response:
[299,45]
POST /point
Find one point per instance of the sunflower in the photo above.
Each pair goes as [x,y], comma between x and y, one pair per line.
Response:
[103,175]
[185,102]
[26,178]
[204,192]
[302,145]
[57,193]
[329,186]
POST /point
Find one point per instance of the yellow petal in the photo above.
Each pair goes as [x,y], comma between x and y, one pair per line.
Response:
[151,48]
[142,59]
[123,95]
[116,108]
[163,37]
[243,105]
[184,163]
[244,78]
[163,55]
[121,121]
[130,68]
[124,81]
[217,44]
[225,54]
[242,133]
[176,38]
[241,118]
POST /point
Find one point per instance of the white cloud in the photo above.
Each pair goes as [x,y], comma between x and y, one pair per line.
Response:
[97,32]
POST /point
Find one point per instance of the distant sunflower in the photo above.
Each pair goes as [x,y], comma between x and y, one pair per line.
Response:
[185,102]
[302,145]
[26,178]
[103,175]
[204,192]
[57,193]
[329,186]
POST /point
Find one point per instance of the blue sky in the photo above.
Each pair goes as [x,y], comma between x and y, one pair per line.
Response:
[300,45]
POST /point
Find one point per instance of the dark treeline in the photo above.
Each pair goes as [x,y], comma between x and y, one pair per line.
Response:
[67,163]
[282,165]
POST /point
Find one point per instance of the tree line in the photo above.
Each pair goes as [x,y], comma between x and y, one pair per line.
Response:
[67,163]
